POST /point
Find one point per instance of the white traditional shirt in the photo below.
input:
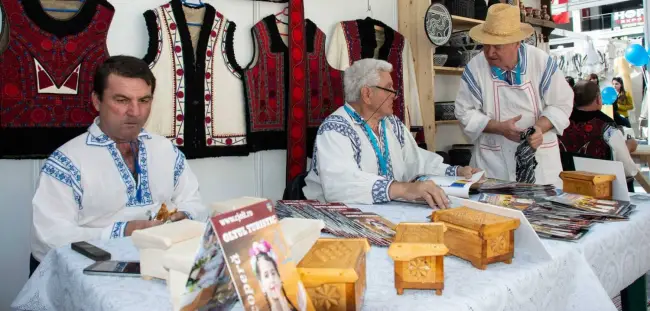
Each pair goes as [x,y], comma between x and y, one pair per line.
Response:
[533,90]
[616,141]
[86,191]
[345,167]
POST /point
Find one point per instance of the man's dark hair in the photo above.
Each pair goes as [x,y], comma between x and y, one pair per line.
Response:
[585,92]
[123,66]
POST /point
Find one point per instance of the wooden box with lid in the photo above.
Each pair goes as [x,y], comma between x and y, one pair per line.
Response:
[334,273]
[598,186]
[476,236]
[418,252]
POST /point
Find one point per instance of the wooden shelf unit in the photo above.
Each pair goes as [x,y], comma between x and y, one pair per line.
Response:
[464,23]
[448,70]
[447,122]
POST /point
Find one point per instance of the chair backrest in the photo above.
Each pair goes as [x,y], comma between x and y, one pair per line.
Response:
[294,189]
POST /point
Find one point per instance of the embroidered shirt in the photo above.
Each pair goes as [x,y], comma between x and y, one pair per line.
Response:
[86,191]
[345,168]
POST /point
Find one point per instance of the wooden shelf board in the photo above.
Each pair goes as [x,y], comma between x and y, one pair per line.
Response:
[460,22]
[540,22]
[448,70]
[448,122]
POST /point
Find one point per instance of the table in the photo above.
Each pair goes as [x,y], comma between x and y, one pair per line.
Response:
[581,276]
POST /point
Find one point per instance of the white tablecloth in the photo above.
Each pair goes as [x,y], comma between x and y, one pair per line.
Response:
[581,276]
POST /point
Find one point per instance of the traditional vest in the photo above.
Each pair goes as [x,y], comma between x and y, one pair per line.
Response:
[267,89]
[585,134]
[198,101]
[46,75]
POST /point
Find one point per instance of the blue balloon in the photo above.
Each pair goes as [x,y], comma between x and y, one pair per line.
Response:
[636,55]
[609,95]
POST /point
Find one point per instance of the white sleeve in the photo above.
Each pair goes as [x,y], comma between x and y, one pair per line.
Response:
[338,156]
[469,104]
[186,195]
[57,202]
[616,141]
[557,97]
[337,54]
[411,96]
[420,161]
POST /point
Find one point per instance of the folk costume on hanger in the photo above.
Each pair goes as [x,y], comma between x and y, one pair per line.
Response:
[267,88]
[198,101]
[357,39]
[46,75]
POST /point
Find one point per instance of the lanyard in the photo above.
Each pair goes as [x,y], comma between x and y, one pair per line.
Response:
[500,73]
[381,157]
[136,164]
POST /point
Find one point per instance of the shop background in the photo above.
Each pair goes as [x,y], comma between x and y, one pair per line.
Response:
[259,174]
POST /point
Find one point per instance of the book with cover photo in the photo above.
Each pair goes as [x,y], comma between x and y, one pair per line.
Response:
[244,255]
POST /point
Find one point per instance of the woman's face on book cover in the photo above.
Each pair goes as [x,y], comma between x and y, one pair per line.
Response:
[270,279]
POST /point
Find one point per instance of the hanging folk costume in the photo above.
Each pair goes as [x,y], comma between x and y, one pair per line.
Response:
[46,75]
[352,164]
[286,105]
[357,39]
[198,101]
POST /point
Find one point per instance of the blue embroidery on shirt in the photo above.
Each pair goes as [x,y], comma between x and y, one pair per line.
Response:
[61,168]
[398,129]
[189,216]
[179,166]
[118,230]
[314,160]
[474,87]
[380,191]
[551,68]
[452,170]
[127,177]
[342,126]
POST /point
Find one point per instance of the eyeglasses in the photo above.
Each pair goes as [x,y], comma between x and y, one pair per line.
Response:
[394,92]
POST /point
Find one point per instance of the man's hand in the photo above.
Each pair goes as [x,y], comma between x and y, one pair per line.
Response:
[631,144]
[139,225]
[510,130]
[178,216]
[426,190]
[535,140]
[467,171]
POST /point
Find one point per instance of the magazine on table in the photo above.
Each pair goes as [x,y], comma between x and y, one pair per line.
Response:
[341,220]
[457,186]
[244,255]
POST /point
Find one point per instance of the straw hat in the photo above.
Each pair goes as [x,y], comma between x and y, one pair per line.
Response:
[502,26]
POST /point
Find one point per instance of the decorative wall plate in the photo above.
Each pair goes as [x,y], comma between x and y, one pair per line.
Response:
[437,24]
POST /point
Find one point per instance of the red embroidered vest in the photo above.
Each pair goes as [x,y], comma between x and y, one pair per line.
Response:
[585,134]
[46,73]
[267,88]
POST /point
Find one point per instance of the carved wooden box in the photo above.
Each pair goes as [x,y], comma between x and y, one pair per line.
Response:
[479,237]
[596,185]
[334,273]
[419,252]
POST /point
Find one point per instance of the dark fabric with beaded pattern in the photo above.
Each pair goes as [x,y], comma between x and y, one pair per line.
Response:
[46,74]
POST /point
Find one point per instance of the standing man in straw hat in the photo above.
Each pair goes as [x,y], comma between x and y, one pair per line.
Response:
[512,95]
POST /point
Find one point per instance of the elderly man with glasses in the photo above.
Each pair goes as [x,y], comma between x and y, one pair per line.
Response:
[364,154]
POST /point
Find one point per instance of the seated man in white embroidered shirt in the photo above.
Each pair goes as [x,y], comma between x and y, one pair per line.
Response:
[364,154]
[101,184]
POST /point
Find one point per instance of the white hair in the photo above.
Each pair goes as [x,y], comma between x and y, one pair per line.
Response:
[364,72]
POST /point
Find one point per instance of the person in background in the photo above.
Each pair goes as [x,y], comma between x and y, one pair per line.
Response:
[571,81]
[364,154]
[511,89]
[593,133]
[593,78]
[623,104]
[103,183]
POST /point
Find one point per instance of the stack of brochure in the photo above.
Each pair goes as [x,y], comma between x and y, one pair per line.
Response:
[341,220]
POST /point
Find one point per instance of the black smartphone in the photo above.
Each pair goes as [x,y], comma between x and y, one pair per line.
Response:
[91,251]
[114,268]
